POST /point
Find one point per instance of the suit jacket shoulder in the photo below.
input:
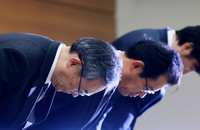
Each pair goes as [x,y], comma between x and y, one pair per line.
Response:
[128,39]
[26,60]
[21,56]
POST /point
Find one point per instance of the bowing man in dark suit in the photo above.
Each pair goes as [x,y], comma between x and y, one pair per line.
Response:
[147,67]
[185,41]
[32,67]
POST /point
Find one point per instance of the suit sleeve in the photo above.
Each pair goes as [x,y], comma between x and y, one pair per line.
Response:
[121,116]
[13,65]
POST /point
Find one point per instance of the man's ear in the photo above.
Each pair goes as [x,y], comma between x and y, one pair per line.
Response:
[137,65]
[186,49]
[73,61]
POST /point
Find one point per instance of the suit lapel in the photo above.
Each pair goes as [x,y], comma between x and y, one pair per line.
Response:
[43,107]
[28,106]
[105,99]
[37,88]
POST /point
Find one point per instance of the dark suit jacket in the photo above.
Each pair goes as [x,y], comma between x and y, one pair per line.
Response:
[25,61]
[79,111]
[122,113]
[74,113]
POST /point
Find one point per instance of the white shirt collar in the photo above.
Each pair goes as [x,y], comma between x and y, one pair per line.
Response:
[170,34]
[48,80]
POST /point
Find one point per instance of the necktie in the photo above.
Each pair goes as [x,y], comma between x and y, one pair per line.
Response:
[31,117]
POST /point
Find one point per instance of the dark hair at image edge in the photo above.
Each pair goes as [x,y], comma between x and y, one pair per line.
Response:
[191,34]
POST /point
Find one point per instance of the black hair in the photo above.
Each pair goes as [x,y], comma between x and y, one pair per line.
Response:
[191,34]
[158,59]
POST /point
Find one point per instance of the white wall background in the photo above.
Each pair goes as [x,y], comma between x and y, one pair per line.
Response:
[178,110]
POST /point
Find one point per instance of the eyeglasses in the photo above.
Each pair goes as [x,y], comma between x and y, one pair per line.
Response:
[80,93]
[147,90]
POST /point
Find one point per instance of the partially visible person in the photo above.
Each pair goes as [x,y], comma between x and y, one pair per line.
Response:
[32,67]
[148,66]
[185,41]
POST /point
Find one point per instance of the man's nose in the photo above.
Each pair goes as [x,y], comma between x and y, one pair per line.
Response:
[142,94]
[74,94]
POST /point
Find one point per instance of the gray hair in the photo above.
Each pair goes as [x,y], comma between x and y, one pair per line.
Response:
[100,60]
